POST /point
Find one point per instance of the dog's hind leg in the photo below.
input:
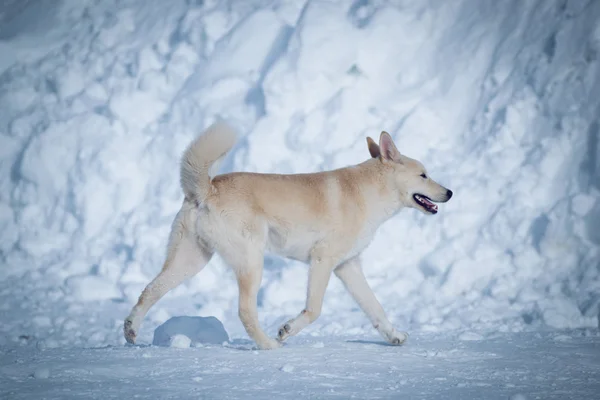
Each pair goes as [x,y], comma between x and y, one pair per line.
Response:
[249,277]
[353,278]
[185,258]
[318,279]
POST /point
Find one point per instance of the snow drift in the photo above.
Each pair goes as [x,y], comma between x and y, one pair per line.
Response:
[498,99]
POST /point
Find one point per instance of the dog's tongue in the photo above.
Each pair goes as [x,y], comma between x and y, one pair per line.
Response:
[429,203]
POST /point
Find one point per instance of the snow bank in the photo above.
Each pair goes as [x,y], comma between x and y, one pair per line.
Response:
[498,99]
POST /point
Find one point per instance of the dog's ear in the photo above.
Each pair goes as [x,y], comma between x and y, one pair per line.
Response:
[388,148]
[373,148]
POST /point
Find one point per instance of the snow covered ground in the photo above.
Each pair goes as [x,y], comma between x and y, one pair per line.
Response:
[507,366]
[499,99]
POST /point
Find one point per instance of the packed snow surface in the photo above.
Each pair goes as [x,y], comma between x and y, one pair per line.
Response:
[499,99]
[515,366]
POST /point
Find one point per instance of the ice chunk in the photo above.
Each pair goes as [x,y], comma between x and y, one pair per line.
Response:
[199,330]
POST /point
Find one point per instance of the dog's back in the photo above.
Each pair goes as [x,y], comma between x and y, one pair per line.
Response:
[289,214]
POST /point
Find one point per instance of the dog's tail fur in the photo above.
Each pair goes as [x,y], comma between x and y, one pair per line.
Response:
[201,157]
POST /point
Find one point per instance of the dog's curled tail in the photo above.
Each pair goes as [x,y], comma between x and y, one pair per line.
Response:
[203,154]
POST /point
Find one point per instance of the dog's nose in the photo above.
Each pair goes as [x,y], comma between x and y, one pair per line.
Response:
[449,193]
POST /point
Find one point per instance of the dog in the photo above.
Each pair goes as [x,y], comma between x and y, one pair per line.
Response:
[324,219]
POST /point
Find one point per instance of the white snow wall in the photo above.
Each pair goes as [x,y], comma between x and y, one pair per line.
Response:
[499,99]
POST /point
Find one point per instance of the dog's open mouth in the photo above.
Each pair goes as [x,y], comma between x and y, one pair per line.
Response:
[426,203]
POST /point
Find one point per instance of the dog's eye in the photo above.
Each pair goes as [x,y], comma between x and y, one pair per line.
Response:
[423,176]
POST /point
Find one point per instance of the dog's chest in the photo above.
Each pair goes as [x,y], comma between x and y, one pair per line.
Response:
[295,244]
[361,241]
[298,244]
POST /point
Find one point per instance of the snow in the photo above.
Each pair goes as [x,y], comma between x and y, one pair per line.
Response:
[518,396]
[42,373]
[499,100]
[504,366]
[90,288]
[287,368]
[190,330]
[179,341]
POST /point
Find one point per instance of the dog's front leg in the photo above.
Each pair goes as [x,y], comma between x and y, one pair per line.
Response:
[353,278]
[318,279]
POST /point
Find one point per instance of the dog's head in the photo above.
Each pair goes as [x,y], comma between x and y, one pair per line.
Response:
[408,176]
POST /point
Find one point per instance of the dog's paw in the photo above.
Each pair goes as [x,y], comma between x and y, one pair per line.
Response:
[397,338]
[270,344]
[285,331]
[129,331]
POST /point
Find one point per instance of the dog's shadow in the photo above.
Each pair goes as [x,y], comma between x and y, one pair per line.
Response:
[240,344]
[235,344]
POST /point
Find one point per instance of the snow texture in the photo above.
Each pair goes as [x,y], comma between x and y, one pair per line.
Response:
[178,341]
[506,366]
[499,99]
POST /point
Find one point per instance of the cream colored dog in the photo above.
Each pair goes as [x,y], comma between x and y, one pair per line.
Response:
[325,219]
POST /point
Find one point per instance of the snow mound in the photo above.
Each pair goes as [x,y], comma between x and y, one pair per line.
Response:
[498,99]
[184,331]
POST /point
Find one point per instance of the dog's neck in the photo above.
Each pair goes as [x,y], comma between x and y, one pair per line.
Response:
[380,189]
